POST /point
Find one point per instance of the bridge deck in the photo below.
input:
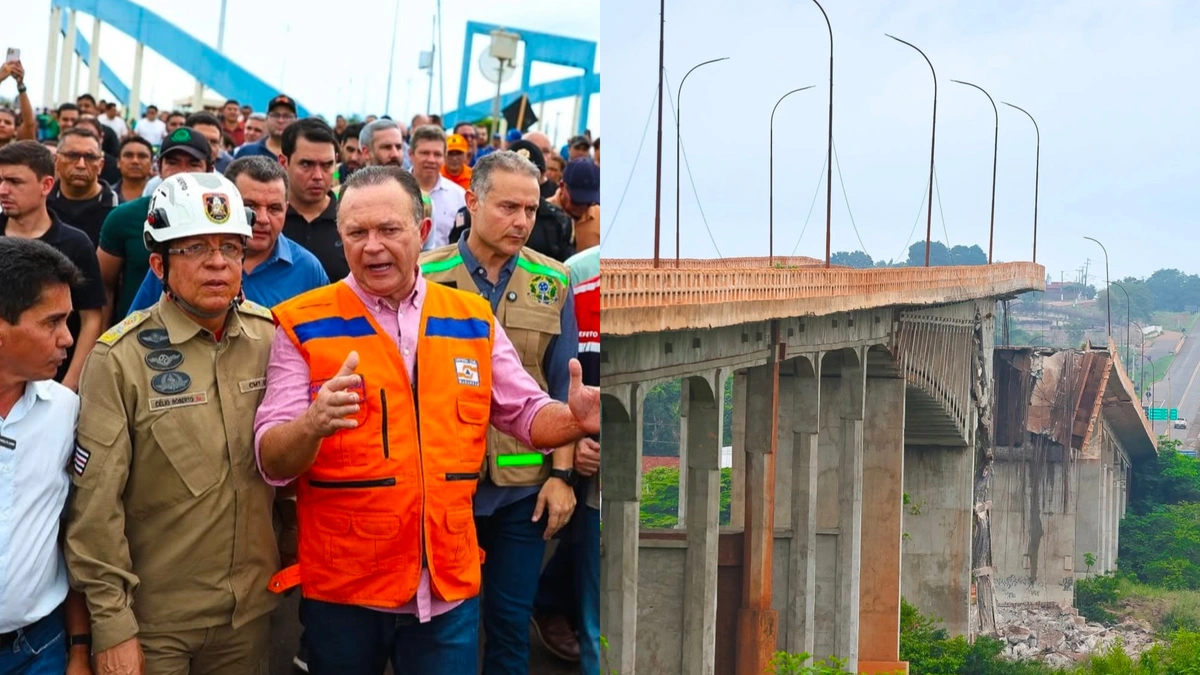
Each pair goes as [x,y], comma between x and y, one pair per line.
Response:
[636,298]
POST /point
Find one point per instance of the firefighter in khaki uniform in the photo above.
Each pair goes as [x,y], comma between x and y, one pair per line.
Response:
[530,294]
[169,534]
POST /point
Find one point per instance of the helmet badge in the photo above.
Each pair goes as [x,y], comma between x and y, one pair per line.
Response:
[216,207]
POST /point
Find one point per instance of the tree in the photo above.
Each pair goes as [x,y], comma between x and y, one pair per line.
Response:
[857,259]
[967,255]
[660,426]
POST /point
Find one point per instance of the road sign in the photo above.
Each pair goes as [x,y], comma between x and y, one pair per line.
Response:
[1162,414]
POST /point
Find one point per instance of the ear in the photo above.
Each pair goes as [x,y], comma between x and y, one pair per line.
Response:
[283,160]
[426,228]
[156,265]
[472,202]
[47,185]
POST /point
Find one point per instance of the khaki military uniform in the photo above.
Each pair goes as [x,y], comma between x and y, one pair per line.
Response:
[169,533]
[531,314]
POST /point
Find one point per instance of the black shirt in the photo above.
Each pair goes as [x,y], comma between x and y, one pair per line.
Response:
[320,237]
[74,244]
[85,214]
[551,234]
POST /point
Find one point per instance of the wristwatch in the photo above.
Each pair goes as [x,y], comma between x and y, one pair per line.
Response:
[84,639]
[567,476]
[20,88]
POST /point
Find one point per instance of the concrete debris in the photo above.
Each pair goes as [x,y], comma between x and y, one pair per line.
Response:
[1062,638]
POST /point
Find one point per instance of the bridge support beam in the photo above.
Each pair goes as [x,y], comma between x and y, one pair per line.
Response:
[937,555]
[802,566]
[134,105]
[701,412]
[52,56]
[758,622]
[94,63]
[850,510]
[621,468]
[68,59]
[882,489]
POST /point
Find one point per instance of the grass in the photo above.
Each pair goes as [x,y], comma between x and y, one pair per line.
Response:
[1166,611]
[1173,320]
[1159,372]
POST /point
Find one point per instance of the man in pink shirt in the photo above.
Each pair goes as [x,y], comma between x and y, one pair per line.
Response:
[382,226]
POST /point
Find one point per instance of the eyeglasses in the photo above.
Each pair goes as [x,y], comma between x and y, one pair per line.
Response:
[282,117]
[74,157]
[203,251]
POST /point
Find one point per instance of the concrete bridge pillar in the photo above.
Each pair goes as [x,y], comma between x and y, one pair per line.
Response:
[758,622]
[882,490]
[1089,518]
[52,56]
[802,566]
[621,467]
[68,58]
[701,445]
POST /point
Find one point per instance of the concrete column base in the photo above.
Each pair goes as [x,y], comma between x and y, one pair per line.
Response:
[883,667]
[757,635]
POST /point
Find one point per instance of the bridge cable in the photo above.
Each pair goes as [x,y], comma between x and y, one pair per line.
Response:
[816,193]
[916,221]
[692,180]
[612,223]
[838,163]
[938,188]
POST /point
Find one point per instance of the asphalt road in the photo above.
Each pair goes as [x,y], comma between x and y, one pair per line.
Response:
[1181,389]
[285,635]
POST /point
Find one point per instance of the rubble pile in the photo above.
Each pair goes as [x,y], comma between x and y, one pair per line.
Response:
[1062,638]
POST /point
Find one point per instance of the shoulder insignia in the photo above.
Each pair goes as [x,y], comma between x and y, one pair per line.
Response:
[248,307]
[132,321]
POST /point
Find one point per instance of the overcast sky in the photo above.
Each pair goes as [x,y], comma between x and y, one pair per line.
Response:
[331,56]
[1110,83]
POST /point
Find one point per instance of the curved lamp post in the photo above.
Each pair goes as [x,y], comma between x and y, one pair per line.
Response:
[1037,167]
[1107,295]
[1142,344]
[678,140]
[932,145]
[771,179]
[995,152]
[829,148]
[1127,308]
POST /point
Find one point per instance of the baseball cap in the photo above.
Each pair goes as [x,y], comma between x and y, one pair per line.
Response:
[530,152]
[187,139]
[579,141]
[582,178]
[456,143]
[282,100]
[513,135]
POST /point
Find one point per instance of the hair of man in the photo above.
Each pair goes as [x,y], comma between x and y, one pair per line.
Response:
[501,160]
[371,176]
[257,168]
[27,267]
[31,154]
[311,129]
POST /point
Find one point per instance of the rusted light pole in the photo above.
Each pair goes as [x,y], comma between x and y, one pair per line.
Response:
[995,152]
[1128,347]
[932,146]
[662,29]
[771,179]
[678,140]
[1037,168]
[829,147]
[1108,293]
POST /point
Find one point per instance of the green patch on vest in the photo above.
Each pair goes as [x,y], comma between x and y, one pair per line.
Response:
[436,266]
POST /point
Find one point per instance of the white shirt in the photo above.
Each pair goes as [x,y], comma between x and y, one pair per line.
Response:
[153,132]
[116,124]
[34,481]
[447,198]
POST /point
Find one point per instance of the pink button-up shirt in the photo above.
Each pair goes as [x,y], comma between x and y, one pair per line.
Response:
[516,398]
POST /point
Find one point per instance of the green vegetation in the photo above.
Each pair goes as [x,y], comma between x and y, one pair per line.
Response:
[660,429]
[660,497]
[939,256]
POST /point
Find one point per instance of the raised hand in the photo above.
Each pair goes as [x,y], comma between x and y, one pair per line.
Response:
[584,401]
[333,408]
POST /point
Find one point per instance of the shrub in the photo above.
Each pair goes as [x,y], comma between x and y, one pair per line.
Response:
[1096,597]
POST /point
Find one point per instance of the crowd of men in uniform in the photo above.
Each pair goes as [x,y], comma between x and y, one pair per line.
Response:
[359,360]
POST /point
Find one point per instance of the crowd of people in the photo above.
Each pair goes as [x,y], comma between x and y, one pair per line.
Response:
[245,355]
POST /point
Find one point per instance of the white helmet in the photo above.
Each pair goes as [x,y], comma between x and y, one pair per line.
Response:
[191,204]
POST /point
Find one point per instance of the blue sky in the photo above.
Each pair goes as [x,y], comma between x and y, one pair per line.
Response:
[1109,83]
[332,57]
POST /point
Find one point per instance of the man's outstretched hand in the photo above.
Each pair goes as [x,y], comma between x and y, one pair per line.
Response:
[584,401]
[334,407]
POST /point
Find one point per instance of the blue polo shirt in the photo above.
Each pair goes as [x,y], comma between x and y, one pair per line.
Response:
[289,271]
[257,148]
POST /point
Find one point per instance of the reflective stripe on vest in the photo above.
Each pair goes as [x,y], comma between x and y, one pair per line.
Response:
[398,489]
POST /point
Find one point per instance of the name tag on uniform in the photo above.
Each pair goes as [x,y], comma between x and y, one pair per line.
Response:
[180,401]
[6,442]
[256,384]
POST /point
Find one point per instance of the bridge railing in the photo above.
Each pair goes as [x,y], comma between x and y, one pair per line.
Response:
[633,284]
